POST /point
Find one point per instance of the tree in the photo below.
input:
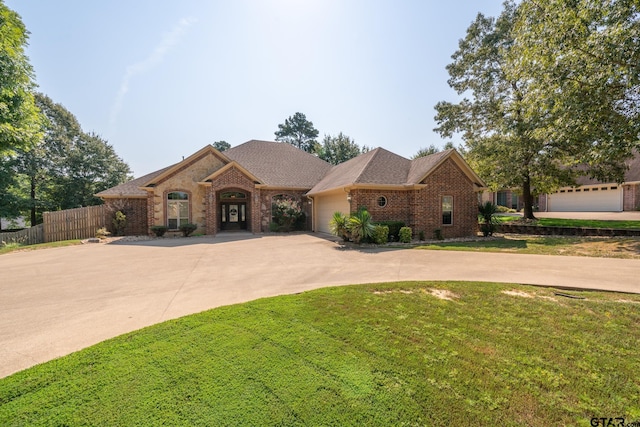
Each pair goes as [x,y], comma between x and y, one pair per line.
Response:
[584,61]
[65,168]
[339,149]
[423,152]
[542,109]
[41,166]
[91,166]
[19,117]
[502,142]
[299,132]
[221,145]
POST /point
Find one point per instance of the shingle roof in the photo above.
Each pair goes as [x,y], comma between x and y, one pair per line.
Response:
[383,167]
[632,174]
[279,164]
[130,188]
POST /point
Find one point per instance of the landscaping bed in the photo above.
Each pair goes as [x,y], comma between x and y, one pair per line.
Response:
[519,228]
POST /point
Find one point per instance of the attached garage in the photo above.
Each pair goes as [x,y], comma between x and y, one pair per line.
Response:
[325,205]
[587,198]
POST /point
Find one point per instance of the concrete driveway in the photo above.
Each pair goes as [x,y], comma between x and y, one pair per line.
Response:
[56,301]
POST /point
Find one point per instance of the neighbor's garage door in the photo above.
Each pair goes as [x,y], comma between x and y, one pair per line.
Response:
[326,205]
[603,198]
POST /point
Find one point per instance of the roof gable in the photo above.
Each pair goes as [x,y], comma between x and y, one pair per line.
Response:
[131,189]
[231,165]
[184,164]
[422,167]
[278,164]
[384,168]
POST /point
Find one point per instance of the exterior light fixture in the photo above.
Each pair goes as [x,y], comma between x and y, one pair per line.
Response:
[348,197]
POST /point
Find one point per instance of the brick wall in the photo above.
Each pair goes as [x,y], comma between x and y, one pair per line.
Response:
[185,179]
[631,198]
[233,179]
[136,212]
[421,209]
[447,180]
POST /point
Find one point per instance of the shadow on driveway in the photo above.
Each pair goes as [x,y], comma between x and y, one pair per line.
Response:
[174,242]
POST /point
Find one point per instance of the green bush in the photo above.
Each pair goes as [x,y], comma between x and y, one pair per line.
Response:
[286,212]
[437,233]
[187,229]
[504,209]
[159,230]
[380,234]
[119,223]
[405,234]
[487,219]
[274,227]
[360,226]
[338,225]
[394,229]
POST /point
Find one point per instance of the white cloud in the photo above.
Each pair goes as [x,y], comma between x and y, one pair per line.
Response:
[169,40]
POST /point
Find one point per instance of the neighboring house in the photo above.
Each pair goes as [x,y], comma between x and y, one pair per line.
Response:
[234,190]
[588,195]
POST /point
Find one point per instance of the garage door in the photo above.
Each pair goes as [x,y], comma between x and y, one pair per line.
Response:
[602,198]
[326,205]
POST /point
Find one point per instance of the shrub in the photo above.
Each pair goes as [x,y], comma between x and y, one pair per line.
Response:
[159,230]
[394,229]
[286,212]
[119,223]
[405,234]
[274,227]
[380,234]
[487,220]
[187,229]
[301,222]
[102,233]
[421,235]
[338,226]
[360,226]
[437,234]
[504,209]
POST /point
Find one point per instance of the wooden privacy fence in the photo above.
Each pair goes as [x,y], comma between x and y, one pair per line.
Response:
[28,236]
[79,223]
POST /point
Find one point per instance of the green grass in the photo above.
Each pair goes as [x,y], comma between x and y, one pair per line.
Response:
[12,247]
[375,355]
[608,247]
[562,222]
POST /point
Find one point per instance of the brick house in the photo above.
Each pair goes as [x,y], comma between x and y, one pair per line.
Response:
[235,189]
[587,195]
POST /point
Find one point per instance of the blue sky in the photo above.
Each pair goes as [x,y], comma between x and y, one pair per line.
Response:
[161,79]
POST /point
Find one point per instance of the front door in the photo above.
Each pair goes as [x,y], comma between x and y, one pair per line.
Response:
[233,216]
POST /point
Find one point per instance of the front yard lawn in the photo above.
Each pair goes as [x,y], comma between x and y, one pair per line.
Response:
[607,247]
[409,353]
[562,222]
[13,247]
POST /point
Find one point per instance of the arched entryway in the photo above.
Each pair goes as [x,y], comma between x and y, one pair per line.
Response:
[233,210]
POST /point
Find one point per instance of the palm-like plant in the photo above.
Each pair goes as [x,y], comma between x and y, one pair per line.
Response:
[360,226]
[486,213]
[338,225]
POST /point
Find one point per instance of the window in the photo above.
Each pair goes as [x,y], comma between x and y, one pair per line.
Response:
[447,210]
[177,209]
[233,195]
[382,201]
[501,198]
